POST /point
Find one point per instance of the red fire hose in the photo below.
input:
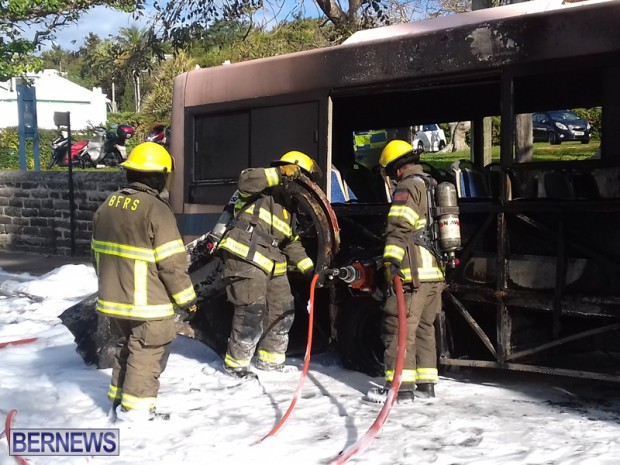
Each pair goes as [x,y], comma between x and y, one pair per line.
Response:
[7,429]
[365,440]
[18,342]
[304,373]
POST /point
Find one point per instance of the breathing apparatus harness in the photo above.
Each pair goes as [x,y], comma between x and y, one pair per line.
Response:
[441,235]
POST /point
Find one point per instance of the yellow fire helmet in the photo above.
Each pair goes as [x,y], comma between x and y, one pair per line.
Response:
[298,158]
[149,157]
[394,150]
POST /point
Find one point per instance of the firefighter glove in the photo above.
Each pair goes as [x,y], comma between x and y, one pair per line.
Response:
[189,312]
[390,270]
[309,274]
[290,172]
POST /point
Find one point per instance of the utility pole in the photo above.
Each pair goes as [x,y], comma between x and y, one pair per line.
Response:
[113,97]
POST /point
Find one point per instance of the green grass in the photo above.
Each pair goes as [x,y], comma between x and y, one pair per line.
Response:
[543,151]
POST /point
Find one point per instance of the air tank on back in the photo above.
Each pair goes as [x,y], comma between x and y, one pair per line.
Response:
[448,221]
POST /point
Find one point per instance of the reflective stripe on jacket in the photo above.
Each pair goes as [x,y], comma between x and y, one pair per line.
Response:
[272,235]
[408,214]
[139,256]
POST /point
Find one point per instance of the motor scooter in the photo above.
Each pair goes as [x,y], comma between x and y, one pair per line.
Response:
[59,150]
[158,135]
[106,148]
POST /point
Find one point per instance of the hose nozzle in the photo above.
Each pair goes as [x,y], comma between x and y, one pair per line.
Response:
[349,274]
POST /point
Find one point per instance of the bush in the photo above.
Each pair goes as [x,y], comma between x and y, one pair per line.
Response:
[592,116]
[9,147]
[137,120]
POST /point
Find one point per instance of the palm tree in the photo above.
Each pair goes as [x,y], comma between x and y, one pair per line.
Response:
[139,51]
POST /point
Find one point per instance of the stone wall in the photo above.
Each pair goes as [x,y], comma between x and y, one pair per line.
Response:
[35,209]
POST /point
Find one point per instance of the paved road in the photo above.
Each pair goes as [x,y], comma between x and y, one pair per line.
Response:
[37,264]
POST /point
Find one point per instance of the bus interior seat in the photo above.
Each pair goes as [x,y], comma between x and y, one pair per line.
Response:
[584,186]
[556,185]
[368,186]
[340,190]
[471,182]
[525,184]
[550,184]
[438,174]
[494,175]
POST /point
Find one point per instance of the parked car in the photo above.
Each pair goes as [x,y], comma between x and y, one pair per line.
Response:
[429,137]
[560,126]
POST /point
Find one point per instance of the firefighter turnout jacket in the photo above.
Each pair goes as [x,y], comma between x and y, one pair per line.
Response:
[263,233]
[408,214]
[139,256]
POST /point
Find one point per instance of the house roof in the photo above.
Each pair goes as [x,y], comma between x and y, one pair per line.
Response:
[51,86]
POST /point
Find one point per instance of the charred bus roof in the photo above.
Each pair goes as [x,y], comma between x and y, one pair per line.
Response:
[478,42]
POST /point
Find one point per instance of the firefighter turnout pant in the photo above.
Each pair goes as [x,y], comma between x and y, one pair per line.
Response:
[142,352]
[423,305]
[263,316]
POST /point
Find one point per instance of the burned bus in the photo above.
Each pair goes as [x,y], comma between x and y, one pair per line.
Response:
[537,287]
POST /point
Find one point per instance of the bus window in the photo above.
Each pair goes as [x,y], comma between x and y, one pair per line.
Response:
[222,146]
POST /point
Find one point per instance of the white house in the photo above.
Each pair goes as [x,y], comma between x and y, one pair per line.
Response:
[55,93]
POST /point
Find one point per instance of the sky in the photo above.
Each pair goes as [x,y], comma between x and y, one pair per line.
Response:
[479,417]
[107,21]
[101,21]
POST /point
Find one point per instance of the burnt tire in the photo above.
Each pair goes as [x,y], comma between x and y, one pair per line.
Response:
[359,337]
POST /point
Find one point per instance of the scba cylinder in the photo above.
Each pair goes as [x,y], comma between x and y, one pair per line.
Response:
[225,219]
[448,220]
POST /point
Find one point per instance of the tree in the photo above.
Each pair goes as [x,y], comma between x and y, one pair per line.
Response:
[138,50]
[184,20]
[458,131]
[26,25]
[157,106]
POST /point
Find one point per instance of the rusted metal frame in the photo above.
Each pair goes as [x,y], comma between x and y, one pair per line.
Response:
[564,340]
[527,300]
[469,248]
[560,280]
[581,248]
[530,368]
[511,293]
[444,347]
[504,323]
[472,322]
[611,114]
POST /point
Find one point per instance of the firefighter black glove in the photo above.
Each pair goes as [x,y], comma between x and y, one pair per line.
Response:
[188,313]
[390,270]
[309,274]
[290,172]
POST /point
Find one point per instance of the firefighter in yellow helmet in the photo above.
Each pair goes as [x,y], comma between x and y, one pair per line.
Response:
[423,279]
[256,252]
[140,261]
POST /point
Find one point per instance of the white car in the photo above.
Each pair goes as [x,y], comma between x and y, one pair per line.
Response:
[429,137]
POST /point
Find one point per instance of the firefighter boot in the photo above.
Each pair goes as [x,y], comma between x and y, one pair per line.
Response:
[133,416]
[138,416]
[425,390]
[279,367]
[241,373]
[405,393]
[112,411]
